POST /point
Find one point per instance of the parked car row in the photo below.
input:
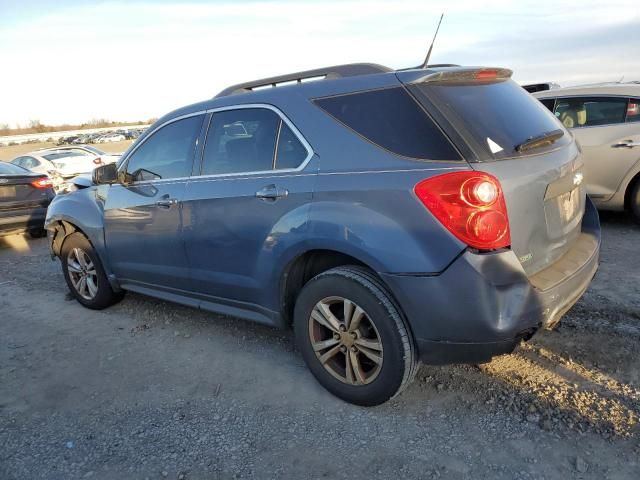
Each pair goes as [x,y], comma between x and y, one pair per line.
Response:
[61,164]
[102,137]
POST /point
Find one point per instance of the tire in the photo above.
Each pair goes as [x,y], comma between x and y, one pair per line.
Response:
[380,334]
[634,202]
[77,256]
[38,233]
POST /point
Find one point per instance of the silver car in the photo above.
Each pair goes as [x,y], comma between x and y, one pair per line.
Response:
[605,119]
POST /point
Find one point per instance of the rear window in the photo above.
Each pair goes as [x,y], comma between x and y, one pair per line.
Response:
[10,169]
[393,120]
[57,155]
[498,116]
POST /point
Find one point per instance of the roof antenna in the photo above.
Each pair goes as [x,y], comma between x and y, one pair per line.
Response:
[426,60]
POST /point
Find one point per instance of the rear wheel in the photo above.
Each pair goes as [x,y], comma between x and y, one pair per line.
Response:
[353,337]
[634,203]
[84,274]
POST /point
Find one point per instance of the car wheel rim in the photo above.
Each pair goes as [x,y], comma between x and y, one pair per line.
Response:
[82,273]
[345,341]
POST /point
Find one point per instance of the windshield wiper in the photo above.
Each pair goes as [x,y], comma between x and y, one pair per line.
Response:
[547,138]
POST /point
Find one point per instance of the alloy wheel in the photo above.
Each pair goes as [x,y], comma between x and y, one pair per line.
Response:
[345,341]
[82,273]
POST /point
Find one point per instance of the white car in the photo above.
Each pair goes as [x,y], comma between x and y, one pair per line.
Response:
[111,137]
[64,163]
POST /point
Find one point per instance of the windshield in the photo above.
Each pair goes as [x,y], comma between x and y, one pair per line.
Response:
[499,116]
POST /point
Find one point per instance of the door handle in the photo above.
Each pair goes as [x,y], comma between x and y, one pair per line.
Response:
[166,203]
[272,193]
[627,144]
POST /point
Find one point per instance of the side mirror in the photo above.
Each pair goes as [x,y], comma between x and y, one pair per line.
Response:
[105,174]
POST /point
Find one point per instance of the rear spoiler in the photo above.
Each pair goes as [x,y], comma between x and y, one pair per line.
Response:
[456,75]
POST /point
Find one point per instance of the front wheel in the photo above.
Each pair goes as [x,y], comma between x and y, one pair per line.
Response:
[352,337]
[84,274]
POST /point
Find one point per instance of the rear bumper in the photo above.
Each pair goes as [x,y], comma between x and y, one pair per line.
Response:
[18,222]
[484,304]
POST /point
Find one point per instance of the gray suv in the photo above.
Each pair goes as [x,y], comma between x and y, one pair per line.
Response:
[392,217]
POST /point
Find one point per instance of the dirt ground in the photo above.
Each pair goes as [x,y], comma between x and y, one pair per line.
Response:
[147,389]
[9,153]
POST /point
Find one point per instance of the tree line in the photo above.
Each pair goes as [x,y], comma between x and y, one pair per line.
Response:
[36,126]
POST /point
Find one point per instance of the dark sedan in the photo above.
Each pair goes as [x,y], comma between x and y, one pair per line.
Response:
[24,198]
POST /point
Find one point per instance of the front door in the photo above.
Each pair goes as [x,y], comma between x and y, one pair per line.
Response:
[143,216]
[249,203]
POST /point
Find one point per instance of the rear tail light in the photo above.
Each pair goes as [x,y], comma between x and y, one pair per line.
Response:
[633,109]
[42,183]
[97,161]
[470,205]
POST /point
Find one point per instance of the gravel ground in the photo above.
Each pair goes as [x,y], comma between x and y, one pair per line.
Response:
[148,389]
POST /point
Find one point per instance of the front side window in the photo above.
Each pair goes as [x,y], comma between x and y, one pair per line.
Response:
[167,153]
[250,140]
[590,111]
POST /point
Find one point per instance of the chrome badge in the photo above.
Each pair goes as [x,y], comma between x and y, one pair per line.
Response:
[577,179]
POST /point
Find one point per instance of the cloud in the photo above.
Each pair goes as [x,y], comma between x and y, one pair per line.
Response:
[135,60]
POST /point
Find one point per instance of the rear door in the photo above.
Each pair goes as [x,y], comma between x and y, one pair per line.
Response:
[248,204]
[608,135]
[494,121]
[143,217]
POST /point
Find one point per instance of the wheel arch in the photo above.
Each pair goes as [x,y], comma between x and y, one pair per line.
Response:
[629,190]
[312,262]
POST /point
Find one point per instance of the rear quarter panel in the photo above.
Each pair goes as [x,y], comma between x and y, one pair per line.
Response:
[375,217]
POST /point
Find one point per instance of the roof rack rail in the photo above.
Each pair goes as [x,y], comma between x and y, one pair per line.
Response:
[328,73]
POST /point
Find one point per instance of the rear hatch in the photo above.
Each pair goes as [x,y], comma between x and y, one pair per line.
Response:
[502,130]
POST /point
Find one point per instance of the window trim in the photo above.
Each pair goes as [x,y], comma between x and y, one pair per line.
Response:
[616,96]
[283,118]
[201,144]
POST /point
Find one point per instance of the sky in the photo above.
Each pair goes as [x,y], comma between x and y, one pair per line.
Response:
[70,61]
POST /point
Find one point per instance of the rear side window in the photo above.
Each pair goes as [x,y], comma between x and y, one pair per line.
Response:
[576,112]
[10,169]
[291,153]
[499,116]
[393,120]
[250,140]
